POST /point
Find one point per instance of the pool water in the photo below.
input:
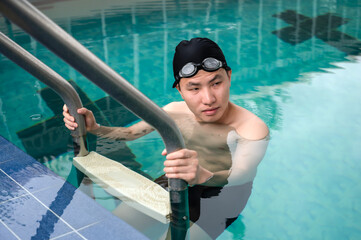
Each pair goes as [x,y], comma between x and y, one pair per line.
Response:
[295,64]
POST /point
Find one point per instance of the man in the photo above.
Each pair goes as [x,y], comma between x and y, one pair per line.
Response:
[224,142]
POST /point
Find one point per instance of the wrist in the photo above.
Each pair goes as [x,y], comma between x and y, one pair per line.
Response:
[205,176]
[94,130]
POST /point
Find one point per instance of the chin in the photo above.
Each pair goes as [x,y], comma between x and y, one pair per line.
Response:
[209,119]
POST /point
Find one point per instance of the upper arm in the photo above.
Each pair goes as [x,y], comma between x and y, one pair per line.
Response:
[253,129]
[246,156]
[173,106]
[168,107]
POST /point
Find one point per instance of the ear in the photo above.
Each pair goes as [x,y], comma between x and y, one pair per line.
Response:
[229,74]
[179,90]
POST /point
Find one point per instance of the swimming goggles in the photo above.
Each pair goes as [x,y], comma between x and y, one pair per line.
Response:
[209,64]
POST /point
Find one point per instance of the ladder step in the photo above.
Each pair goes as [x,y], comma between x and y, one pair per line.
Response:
[132,188]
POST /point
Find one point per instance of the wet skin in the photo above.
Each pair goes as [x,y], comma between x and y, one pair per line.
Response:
[206,101]
[224,145]
[207,95]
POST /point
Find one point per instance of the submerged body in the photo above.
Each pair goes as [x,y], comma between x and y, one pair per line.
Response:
[224,142]
[220,148]
[231,159]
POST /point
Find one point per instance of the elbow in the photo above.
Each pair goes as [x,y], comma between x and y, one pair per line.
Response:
[241,176]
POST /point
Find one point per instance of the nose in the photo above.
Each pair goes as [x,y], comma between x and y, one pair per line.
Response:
[208,97]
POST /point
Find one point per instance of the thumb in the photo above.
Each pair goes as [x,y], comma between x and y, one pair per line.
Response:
[82,111]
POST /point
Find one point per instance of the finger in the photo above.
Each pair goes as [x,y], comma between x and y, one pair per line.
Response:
[164,152]
[183,153]
[68,116]
[65,108]
[177,162]
[185,176]
[181,162]
[69,127]
[179,169]
[82,111]
[175,175]
[70,123]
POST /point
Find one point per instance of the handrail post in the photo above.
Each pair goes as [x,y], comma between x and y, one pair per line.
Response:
[66,47]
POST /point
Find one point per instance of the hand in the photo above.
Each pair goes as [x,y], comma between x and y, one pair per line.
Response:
[184,164]
[70,123]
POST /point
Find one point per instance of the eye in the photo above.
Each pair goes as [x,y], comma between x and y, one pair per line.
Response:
[216,83]
[194,89]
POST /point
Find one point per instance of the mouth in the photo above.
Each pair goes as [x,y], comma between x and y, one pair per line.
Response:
[210,111]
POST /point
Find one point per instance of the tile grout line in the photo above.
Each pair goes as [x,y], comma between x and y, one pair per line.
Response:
[24,195]
[8,228]
[79,229]
[14,198]
[6,161]
[74,230]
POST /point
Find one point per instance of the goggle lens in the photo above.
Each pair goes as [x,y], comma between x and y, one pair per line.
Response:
[211,64]
[188,69]
[208,64]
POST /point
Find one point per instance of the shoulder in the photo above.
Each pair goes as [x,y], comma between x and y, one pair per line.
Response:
[175,107]
[250,126]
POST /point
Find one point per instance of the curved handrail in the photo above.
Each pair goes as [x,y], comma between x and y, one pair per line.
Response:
[49,77]
[66,47]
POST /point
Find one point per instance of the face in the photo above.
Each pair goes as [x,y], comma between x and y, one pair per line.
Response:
[207,94]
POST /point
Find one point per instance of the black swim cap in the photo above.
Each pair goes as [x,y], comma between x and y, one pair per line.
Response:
[195,50]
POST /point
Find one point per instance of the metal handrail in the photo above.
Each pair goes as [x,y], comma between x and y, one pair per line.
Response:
[56,82]
[66,47]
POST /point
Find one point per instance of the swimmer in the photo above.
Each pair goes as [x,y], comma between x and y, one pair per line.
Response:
[224,142]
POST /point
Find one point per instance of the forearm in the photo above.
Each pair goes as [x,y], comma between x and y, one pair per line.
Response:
[123,133]
[115,133]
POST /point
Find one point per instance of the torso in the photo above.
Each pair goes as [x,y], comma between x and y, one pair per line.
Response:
[209,140]
[215,145]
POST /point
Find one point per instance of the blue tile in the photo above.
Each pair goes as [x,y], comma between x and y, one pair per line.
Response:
[32,175]
[24,216]
[28,172]
[111,228]
[9,189]
[72,205]
[79,211]
[28,218]
[8,151]
[6,234]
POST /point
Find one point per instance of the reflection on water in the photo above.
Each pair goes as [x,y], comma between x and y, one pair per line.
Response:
[137,39]
[323,27]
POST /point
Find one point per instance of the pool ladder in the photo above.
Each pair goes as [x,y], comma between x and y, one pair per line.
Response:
[71,51]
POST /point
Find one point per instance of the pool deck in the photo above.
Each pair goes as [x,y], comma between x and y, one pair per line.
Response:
[35,203]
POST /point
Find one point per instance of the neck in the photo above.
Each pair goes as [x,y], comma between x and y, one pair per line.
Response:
[227,115]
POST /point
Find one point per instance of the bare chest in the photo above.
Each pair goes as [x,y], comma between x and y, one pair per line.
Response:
[208,140]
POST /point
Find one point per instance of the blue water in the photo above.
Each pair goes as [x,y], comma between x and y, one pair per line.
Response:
[307,186]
